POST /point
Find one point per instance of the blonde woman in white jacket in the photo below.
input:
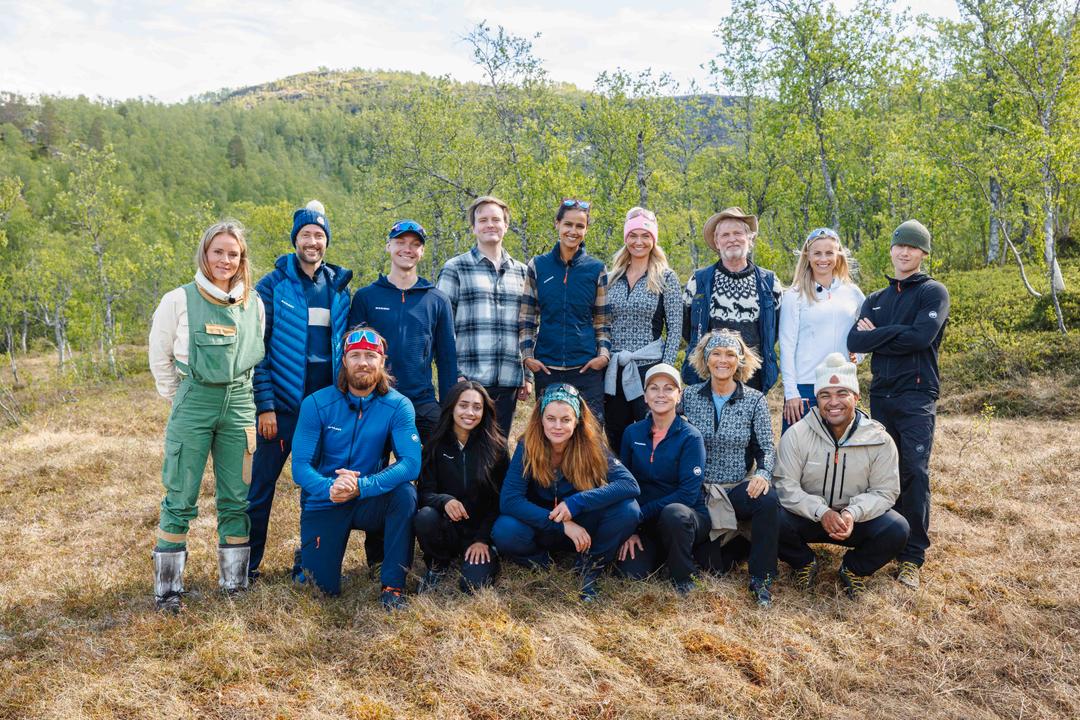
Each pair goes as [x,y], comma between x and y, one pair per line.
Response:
[816,313]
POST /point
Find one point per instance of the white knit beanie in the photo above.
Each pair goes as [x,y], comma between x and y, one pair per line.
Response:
[836,371]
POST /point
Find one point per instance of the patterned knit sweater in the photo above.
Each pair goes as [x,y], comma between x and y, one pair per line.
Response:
[740,440]
[638,315]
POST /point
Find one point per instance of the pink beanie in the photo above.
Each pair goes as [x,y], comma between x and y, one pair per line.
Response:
[640,222]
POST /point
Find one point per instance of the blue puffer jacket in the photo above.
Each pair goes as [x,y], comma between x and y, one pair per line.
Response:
[279,378]
[768,323]
[339,430]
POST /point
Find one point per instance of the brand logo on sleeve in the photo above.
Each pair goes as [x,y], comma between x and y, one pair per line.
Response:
[697,470]
[933,314]
[415,437]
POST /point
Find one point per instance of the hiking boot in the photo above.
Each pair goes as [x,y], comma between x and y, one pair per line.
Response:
[760,591]
[683,587]
[431,580]
[169,580]
[907,574]
[392,598]
[233,562]
[803,578]
[590,581]
[854,585]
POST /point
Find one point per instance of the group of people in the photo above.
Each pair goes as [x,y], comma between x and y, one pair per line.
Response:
[625,462]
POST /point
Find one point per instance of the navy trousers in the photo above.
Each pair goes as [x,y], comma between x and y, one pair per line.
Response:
[619,412]
[589,383]
[442,540]
[324,535]
[873,542]
[270,457]
[505,399]
[909,418]
[608,527]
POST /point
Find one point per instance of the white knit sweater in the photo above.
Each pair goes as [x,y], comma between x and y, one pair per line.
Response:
[810,331]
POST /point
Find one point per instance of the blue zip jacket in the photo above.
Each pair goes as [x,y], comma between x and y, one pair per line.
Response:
[909,319]
[339,430]
[672,473]
[418,325]
[565,294]
[280,377]
[768,323]
[530,503]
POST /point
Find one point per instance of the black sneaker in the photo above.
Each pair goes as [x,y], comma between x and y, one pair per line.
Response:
[760,591]
[854,585]
[393,598]
[431,580]
[803,578]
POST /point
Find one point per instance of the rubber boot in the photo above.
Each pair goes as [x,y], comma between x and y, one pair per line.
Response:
[233,561]
[169,579]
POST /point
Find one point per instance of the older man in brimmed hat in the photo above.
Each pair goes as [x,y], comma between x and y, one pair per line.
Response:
[837,478]
[735,294]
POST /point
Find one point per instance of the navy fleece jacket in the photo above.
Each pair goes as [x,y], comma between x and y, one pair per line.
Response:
[530,503]
[670,473]
[418,325]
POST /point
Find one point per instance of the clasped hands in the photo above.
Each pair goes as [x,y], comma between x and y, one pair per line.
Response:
[345,486]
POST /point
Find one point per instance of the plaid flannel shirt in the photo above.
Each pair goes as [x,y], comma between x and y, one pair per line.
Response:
[485,304]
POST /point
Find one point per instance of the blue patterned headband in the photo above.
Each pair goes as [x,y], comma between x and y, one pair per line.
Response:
[562,392]
[724,339]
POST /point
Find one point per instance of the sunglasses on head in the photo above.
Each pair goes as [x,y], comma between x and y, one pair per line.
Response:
[572,203]
[407,226]
[564,387]
[822,232]
[367,335]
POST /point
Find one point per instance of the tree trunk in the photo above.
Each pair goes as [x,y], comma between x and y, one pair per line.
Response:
[993,250]
[25,328]
[642,173]
[826,175]
[109,331]
[1057,282]
[9,332]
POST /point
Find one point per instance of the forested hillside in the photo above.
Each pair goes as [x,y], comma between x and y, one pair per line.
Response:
[856,121]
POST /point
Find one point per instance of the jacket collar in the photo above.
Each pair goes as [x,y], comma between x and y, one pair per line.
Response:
[558,256]
[337,276]
[479,257]
[706,391]
[217,294]
[422,284]
[916,279]
[862,431]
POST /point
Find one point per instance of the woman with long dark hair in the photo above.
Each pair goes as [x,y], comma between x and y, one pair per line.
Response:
[462,471]
[565,491]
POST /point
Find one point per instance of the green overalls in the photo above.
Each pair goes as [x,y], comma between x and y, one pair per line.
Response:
[213,411]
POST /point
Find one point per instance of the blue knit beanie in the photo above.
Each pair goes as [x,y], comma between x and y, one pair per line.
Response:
[311,214]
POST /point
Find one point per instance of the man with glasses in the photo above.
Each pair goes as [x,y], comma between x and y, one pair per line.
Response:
[340,460]
[307,308]
[484,285]
[734,294]
[417,321]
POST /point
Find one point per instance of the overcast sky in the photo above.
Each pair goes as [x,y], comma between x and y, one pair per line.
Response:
[173,50]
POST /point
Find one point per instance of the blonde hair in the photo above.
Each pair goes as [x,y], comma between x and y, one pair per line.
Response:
[748,364]
[485,200]
[803,280]
[584,462]
[657,264]
[235,230]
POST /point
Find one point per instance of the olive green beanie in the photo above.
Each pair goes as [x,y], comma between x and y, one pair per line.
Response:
[913,233]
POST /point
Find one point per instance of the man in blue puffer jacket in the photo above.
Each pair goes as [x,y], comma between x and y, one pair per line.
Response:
[307,308]
[339,460]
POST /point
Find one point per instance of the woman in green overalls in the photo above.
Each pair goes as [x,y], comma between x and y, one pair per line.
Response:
[205,339]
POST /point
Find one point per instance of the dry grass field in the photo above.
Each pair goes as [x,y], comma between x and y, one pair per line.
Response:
[994,633]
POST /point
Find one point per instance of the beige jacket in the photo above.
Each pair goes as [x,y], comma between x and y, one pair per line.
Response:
[169,336]
[814,472]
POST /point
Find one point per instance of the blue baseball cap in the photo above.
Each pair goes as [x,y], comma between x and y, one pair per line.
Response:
[407,226]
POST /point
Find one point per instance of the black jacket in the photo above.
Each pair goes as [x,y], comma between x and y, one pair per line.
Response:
[909,319]
[451,473]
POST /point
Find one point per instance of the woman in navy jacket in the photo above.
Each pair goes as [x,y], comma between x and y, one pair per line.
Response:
[463,468]
[667,456]
[565,491]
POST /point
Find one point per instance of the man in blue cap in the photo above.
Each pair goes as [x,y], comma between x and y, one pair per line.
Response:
[307,308]
[417,321]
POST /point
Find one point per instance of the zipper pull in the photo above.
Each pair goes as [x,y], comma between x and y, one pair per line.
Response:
[836,456]
[566,275]
[402,297]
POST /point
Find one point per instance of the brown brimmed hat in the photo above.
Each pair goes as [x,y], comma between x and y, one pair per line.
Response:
[731,213]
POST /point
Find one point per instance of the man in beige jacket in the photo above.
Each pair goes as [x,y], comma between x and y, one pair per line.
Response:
[836,478]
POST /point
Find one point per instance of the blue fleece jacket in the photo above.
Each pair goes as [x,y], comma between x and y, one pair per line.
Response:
[281,377]
[340,430]
[418,325]
[526,500]
[670,473]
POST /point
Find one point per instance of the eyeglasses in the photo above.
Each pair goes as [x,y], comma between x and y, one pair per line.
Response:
[572,203]
[407,226]
[367,335]
[820,233]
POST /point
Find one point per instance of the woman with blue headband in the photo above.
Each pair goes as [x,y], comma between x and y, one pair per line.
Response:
[739,457]
[564,491]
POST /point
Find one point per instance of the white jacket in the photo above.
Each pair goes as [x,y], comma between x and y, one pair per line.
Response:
[809,332]
[169,333]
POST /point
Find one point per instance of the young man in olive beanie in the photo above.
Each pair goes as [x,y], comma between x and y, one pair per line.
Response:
[902,325]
